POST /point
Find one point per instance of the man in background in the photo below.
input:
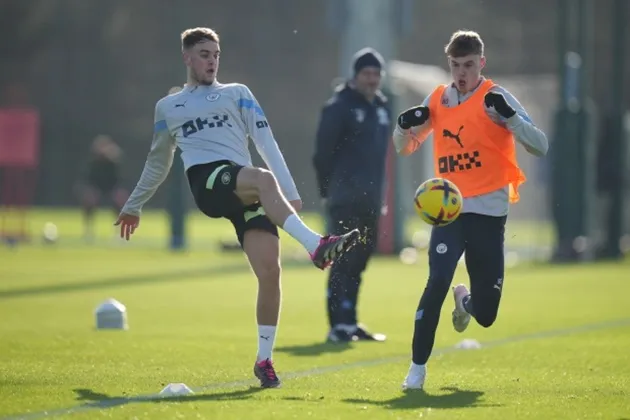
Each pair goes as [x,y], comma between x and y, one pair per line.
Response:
[101,180]
[350,151]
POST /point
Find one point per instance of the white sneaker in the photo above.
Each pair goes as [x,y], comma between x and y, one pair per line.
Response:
[461,318]
[415,377]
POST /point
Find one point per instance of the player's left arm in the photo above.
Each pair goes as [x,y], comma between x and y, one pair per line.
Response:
[506,110]
[260,132]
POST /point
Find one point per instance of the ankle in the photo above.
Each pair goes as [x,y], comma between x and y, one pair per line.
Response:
[349,328]
[467,304]
[417,368]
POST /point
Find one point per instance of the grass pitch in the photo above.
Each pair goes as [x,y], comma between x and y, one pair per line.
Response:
[558,350]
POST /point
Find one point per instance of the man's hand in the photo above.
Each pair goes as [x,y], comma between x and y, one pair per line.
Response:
[297,204]
[497,101]
[128,224]
[413,117]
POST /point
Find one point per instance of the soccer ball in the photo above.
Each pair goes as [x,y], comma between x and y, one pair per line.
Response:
[438,201]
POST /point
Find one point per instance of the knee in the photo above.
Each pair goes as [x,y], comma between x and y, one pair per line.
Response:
[439,284]
[263,252]
[355,265]
[269,275]
[89,205]
[486,321]
[485,316]
[347,265]
[89,199]
[485,306]
[265,180]
[434,294]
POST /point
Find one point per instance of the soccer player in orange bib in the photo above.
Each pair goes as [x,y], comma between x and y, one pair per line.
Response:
[476,125]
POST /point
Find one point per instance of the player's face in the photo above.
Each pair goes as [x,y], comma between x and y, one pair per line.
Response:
[203,62]
[466,71]
[368,80]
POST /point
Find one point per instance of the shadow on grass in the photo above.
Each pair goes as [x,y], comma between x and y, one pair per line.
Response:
[414,399]
[314,349]
[100,400]
[111,282]
[152,278]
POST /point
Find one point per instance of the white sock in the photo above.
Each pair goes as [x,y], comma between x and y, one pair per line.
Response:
[266,339]
[415,369]
[301,233]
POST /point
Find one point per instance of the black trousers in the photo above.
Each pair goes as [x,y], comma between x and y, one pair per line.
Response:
[344,278]
[482,239]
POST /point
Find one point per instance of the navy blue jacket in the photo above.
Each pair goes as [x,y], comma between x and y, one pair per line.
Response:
[351,149]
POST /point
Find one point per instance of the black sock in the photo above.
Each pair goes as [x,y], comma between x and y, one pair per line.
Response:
[467,304]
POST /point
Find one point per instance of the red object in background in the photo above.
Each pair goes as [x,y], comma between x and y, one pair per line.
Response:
[386,234]
[19,159]
[19,138]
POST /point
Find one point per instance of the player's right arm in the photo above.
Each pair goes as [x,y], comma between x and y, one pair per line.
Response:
[156,169]
[412,128]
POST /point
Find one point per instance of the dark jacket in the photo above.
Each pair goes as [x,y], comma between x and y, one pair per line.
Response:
[351,149]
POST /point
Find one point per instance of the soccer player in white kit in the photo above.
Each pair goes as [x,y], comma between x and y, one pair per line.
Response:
[211,123]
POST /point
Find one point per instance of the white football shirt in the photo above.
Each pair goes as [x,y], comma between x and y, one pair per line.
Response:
[208,124]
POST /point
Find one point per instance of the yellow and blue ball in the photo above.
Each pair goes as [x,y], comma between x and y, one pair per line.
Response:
[438,201]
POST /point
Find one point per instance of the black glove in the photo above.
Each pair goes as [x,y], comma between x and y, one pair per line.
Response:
[497,101]
[413,117]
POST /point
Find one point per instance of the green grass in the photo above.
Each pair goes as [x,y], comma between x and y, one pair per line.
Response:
[202,231]
[191,318]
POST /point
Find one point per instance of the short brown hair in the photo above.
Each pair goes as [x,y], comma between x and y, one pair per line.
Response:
[463,43]
[193,36]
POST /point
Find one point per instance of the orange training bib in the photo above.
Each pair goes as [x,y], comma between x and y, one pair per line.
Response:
[470,149]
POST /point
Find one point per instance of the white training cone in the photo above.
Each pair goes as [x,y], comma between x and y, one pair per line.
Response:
[468,344]
[409,255]
[111,315]
[175,390]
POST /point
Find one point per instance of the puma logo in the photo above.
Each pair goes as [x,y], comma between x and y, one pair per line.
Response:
[181,105]
[264,338]
[448,134]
